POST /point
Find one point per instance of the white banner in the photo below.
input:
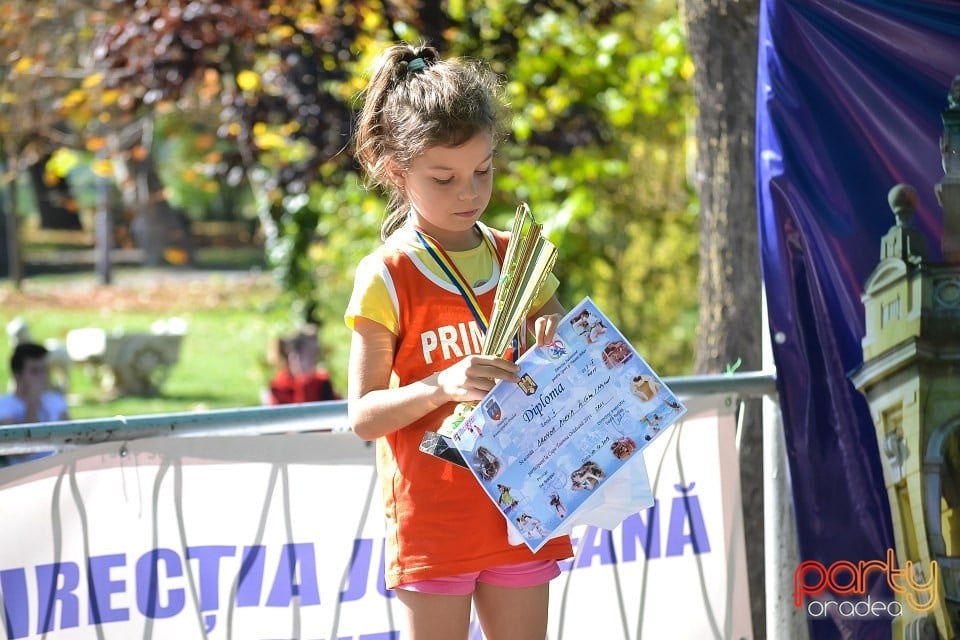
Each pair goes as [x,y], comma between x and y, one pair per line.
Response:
[280,538]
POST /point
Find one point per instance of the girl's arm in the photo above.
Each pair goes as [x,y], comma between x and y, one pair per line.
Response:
[375,409]
[544,322]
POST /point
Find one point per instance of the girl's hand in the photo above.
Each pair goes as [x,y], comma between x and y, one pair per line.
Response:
[545,328]
[474,376]
[546,320]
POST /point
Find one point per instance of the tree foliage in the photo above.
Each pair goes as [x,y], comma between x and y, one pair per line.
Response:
[41,74]
[599,91]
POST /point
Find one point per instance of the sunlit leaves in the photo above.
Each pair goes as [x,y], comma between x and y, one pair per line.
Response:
[176,256]
[49,96]
[62,162]
[281,32]
[102,168]
[22,66]
[92,80]
[96,143]
[198,169]
[248,80]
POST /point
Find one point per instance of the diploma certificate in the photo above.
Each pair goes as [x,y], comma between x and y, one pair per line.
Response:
[584,406]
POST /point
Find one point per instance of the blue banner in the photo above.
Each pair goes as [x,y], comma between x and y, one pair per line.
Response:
[849,98]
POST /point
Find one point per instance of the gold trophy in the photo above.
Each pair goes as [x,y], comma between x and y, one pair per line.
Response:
[526,265]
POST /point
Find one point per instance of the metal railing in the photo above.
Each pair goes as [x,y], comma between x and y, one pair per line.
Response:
[311,416]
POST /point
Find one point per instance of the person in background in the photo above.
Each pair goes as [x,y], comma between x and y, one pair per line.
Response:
[32,399]
[299,377]
[311,381]
[281,388]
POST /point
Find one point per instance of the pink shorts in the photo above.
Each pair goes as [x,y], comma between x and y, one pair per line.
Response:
[524,574]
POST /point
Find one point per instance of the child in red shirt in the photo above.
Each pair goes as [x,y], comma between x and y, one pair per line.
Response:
[300,377]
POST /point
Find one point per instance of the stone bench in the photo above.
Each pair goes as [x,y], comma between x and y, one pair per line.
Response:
[129,363]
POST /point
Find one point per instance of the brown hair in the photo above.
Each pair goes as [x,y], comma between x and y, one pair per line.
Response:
[410,108]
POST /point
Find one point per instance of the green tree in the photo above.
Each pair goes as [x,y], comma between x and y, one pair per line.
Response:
[40,58]
[598,152]
[599,91]
[271,72]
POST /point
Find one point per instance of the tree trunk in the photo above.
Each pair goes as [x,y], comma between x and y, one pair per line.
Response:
[4,249]
[12,259]
[722,40]
[53,201]
[160,230]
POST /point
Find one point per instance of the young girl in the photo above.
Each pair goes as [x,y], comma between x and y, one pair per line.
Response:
[426,133]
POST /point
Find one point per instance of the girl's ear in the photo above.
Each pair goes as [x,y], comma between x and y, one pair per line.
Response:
[396,173]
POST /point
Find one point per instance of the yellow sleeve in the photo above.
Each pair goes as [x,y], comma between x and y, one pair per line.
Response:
[371,296]
[550,286]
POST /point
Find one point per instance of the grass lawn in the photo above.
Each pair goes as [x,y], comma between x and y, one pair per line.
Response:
[231,317]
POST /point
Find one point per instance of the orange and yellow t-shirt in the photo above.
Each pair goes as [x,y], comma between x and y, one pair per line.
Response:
[440,521]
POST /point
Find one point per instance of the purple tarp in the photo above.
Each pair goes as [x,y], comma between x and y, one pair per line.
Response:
[849,98]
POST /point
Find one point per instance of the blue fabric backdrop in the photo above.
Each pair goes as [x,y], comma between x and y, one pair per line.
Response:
[849,98]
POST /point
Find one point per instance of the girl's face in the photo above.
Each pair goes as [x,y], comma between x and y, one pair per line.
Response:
[449,188]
